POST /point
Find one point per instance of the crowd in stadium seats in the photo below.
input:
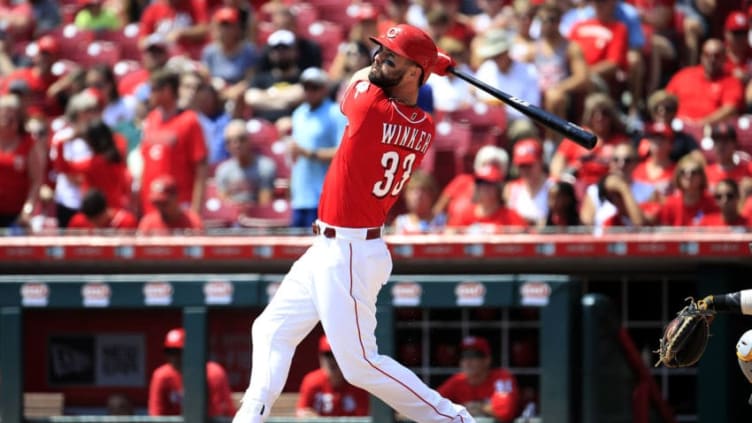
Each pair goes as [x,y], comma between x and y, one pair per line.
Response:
[164,115]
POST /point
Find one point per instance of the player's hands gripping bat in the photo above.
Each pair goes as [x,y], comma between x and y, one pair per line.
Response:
[686,336]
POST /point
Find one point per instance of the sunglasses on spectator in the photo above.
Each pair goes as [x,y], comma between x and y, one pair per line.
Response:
[623,160]
[724,196]
[238,138]
[312,87]
[691,172]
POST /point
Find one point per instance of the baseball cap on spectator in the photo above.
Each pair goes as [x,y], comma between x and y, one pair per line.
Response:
[162,188]
[324,346]
[155,40]
[494,43]
[281,37]
[226,15]
[315,76]
[474,346]
[48,44]
[175,339]
[84,3]
[527,151]
[489,173]
[736,21]
[658,130]
[18,87]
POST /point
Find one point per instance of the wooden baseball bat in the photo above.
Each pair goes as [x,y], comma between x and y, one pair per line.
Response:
[564,127]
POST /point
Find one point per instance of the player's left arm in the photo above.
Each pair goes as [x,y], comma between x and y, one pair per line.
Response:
[739,302]
[361,75]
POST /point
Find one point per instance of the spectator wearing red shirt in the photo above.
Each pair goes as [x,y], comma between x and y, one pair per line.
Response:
[325,392]
[154,56]
[707,93]
[166,385]
[185,24]
[726,165]
[658,168]
[95,214]
[662,107]
[457,195]
[604,42]
[488,211]
[692,200]
[727,197]
[738,51]
[21,166]
[173,144]
[168,216]
[39,78]
[477,385]
[588,166]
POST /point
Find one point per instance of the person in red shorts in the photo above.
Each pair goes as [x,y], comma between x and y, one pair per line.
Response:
[489,211]
[166,385]
[325,392]
[726,165]
[173,144]
[95,214]
[604,43]
[168,216]
[726,195]
[707,93]
[477,385]
[691,200]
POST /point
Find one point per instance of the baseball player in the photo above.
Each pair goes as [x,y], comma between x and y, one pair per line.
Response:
[739,302]
[336,281]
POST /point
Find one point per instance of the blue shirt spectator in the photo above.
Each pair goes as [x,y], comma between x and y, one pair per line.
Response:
[230,68]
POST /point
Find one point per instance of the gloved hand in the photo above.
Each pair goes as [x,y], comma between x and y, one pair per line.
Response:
[443,63]
[706,304]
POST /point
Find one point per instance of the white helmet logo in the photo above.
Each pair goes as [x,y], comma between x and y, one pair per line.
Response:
[393,32]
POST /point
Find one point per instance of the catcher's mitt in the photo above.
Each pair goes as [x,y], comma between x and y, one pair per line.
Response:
[684,338]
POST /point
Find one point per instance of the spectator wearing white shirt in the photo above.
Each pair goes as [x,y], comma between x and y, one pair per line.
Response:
[456,94]
[500,70]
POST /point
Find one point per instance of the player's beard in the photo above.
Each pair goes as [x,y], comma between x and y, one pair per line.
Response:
[380,80]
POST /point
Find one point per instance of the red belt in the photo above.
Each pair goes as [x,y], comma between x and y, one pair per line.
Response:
[329,232]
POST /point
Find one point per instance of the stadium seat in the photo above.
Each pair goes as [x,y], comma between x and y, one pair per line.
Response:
[329,36]
[451,145]
[72,40]
[262,132]
[124,67]
[99,52]
[126,39]
[276,215]
[305,15]
[487,121]
[743,126]
[216,212]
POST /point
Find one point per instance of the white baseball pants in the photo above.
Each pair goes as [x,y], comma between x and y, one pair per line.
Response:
[337,281]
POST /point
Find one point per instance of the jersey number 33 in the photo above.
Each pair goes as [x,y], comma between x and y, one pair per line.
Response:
[389,184]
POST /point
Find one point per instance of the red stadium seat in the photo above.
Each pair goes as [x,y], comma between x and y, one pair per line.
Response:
[126,39]
[216,212]
[276,215]
[488,122]
[263,133]
[305,15]
[743,126]
[124,67]
[451,146]
[329,36]
[99,52]
[72,40]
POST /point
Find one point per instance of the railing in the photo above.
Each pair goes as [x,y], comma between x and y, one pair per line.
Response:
[646,392]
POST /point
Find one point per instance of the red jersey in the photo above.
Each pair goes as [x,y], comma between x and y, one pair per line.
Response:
[164,16]
[153,223]
[15,181]
[662,182]
[504,216]
[131,81]
[166,391]
[716,173]
[38,104]
[601,41]
[118,219]
[317,393]
[699,96]
[716,219]
[460,193]
[675,213]
[98,172]
[458,390]
[593,164]
[171,147]
[383,143]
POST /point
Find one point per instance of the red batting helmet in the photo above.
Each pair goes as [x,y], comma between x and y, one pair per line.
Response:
[412,43]
[175,339]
